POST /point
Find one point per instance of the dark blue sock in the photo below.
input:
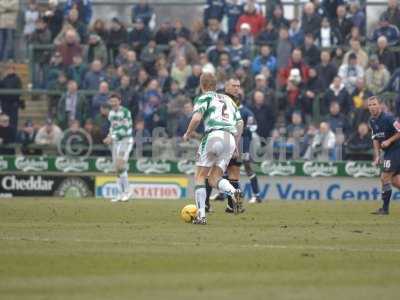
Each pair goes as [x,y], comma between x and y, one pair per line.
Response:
[254,184]
[386,194]
[208,193]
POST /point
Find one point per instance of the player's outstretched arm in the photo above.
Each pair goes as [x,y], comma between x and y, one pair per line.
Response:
[194,123]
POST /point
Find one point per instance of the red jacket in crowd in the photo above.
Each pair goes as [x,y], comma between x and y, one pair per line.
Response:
[68,51]
[283,73]
[255,20]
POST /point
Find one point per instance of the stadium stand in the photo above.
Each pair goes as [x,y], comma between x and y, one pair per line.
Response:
[320,65]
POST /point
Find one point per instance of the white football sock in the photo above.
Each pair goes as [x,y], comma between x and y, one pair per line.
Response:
[124,182]
[119,186]
[200,196]
[225,186]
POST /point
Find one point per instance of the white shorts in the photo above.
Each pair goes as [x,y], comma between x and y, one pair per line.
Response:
[216,149]
[121,150]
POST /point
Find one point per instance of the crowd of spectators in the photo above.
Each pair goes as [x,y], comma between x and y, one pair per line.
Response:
[305,79]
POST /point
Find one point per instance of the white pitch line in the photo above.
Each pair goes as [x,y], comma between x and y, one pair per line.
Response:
[165,243]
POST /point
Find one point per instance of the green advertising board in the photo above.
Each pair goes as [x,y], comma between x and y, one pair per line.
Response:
[103,165]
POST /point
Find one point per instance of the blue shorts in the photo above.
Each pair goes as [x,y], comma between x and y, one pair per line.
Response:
[391,161]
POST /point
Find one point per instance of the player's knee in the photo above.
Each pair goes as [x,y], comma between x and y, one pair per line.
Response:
[396,181]
[120,165]
[386,178]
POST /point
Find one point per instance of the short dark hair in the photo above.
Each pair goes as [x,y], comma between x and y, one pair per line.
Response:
[375,97]
[115,95]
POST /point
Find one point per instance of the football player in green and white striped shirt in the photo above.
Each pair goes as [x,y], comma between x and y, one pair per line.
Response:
[121,141]
[223,129]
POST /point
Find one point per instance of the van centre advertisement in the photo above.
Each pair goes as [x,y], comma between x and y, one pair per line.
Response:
[321,188]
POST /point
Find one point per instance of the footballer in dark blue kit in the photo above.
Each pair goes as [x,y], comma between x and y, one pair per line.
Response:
[386,138]
[232,89]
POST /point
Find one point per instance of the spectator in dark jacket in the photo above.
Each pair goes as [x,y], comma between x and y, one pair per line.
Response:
[394,87]
[311,52]
[330,6]
[84,8]
[94,76]
[77,70]
[139,36]
[99,99]
[79,26]
[72,106]
[391,32]
[233,10]
[338,121]
[184,120]
[10,104]
[342,23]
[116,36]
[128,96]
[310,21]
[268,35]
[215,9]
[359,145]
[27,137]
[278,19]
[392,13]
[212,34]
[296,33]
[337,93]
[54,17]
[385,55]
[311,91]
[142,11]
[214,52]
[326,70]
[263,114]
[164,34]
[7,136]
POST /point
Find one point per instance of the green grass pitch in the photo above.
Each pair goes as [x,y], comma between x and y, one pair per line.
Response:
[93,249]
